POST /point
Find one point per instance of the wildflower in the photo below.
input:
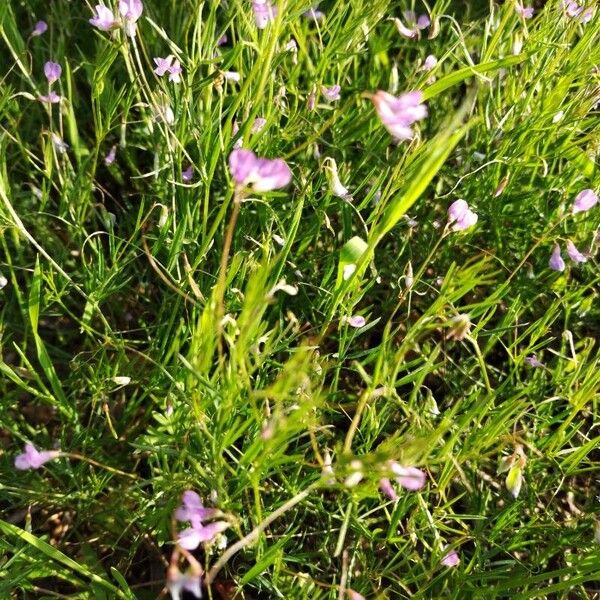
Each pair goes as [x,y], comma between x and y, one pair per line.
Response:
[34,459]
[385,485]
[52,71]
[409,478]
[109,159]
[190,581]
[429,63]
[460,216]
[413,24]
[51,98]
[131,11]
[352,595]
[104,19]
[398,113]
[532,361]
[460,327]
[258,124]
[335,185]
[574,254]
[574,9]
[188,174]
[175,72]
[192,511]
[312,98]
[39,29]
[526,12]
[162,64]
[262,174]
[450,559]
[312,14]
[264,12]
[584,201]
[356,321]
[222,40]
[59,144]
[556,262]
[331,93]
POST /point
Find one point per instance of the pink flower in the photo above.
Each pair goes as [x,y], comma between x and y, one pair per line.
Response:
[193,511]
[409,478]
[398,113]
[556,262]
[40,28]
[262,174]
[264,12]
[258,125]
[526,12]
[532,361]
[104,19]
[175,72]
[575,10]
[188,174]
[450,559]
[162,64]
[460,216]
[331,93]
[312,98]
[584,201]
[352,595]
[178,582]
[222,40]
[574,254]
[50,98]
[33,459]
[131,11]
[413,24]
[52,71]
[356,321]
[429,63]
[109,159]
[385,485]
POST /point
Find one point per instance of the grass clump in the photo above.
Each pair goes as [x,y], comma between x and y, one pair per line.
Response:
[373,388]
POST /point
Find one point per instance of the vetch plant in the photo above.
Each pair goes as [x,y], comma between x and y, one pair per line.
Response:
[398,114]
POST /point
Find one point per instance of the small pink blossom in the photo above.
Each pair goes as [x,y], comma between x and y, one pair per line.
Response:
[584,201]
[192,511]
[398,113]
[264,12]
[413,24]
[162,64]
[556,262]
[574,253]
[410,478]
[104,19]
[450,559]
[40,28]
[574,9]
[52,71]
[258,125]
[188,174]
[429,63]
[526,12]
[222,40]
[131,11]
[175,72]
[385,485]
[532,361]
[178,582]
[460,216]
[262,174]
[331,93]
[357,321]
[51,98]
[109,159]
[34,459]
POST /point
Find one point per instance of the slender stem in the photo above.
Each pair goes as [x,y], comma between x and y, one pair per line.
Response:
[253,535]
[97,464]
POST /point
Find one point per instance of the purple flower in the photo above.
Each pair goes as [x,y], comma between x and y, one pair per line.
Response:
[178,582]
[574,254]
[331,93]
[413,24]
[429,63]
[398,113]
[532,361]
[556,262]
[262,174]
[356,321]
[104,19]
[584,201]
[59,144]
[264,12]
[575,10]
[188,174]
[131,11]
[175,72]
[385,485]
[109,159]
[409,478]
[222,40]
[40,28]
[50,98]
[193,511]
[52,71]
[460,216]
[33,459]
[162,64]
[450,559]
[524,11]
